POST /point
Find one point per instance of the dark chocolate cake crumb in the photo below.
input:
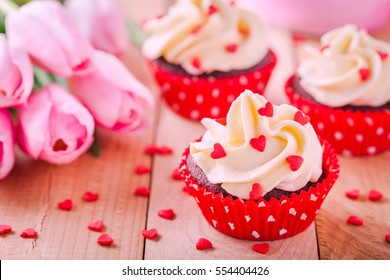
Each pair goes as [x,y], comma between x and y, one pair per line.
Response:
[296,85]
[177,69]
[198,174]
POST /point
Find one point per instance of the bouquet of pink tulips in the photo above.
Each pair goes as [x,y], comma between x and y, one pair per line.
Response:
[45,44]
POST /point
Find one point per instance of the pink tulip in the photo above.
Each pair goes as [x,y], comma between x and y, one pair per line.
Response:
[114,97]
[16,75]
[54,126]
[102,23]
[7,154]
[45,31]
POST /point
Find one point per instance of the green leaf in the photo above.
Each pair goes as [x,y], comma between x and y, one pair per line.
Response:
[136,32]
[2,23]
[95,148]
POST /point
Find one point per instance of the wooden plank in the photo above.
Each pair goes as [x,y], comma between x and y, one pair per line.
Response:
[179,236]
[29,197]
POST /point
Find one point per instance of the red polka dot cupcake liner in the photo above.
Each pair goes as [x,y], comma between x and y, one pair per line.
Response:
[351,133]
[198,97]
[263,220]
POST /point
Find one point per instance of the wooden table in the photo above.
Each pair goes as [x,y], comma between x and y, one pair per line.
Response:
[29,196]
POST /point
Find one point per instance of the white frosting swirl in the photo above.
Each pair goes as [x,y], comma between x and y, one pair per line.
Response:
[243,165]
[352,68]
[216,34]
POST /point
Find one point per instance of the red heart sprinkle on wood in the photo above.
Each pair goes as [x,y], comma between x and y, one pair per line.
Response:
[212,10]
[256,192]
[364,74]
[354,220]
[164,150]
[166,213]
[261,248]
[142,191]
[301,118]
[176,174]
[67,205]
[196,29]
[151,149]
[232,48]
[149,233]
[295,162]
[90,196]
[352,194]
[203,244]
[185,189]
[96,225]
[375,195]
[196,63]
[219,151]
[258,143]
[142,169]
[5,229]
[28,233]
[105,239]
[387,238]
[383,55]
[267,110]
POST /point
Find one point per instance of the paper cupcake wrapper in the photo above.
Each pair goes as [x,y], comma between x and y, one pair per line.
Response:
[198,97]
[351,133]
[264,220]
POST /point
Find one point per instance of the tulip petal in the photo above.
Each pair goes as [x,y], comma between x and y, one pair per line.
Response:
[7,154]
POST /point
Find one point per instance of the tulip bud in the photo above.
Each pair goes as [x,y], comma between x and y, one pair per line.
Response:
[16,75]
[114,97]
[54,126]
[45,31]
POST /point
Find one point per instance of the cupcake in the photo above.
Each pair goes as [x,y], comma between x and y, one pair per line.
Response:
[204,52]
[344,87]
[261,173]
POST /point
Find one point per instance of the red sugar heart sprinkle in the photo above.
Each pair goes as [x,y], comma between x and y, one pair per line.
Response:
[354,220]
[149,233]
[267,110]
[96,225]
[151,149]
[387,238]
[28,233]
[261,248]
[196,63]
[364,74]
[295,162]
[232,48]
[90,196]
[176,174]
[375,195]
[212,10]
[203,244]
[324,48]
[5,229]
[142,191]
[105,239]
[383,55]
[301,118]
[256,192]
[196,29]
[219,151]
[142,169]
[164,150]
[258,143]
[352,194]
[67,205]
[185,189]
[166,213]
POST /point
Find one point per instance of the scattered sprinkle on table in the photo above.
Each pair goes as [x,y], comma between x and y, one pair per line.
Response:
[90,196]
[105,239]
[261,248]
[28,233]
[354,220]
[166,213]
[96,225]
[67,205]
[203,244]
[142,191]
[149,233]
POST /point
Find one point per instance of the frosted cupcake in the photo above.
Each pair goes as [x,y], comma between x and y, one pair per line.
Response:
[344,87]
[204,52]
[263,174]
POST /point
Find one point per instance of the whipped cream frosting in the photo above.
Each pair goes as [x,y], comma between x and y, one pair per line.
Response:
[203,36]
[260,144]
[350,68]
